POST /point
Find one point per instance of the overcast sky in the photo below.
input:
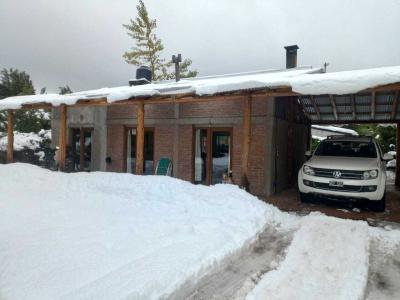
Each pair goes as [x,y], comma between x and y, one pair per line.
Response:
[80,43]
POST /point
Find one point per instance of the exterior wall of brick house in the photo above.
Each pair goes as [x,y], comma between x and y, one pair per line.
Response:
[174,126]
[174,132]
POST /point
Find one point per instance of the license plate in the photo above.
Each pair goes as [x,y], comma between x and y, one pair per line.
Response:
[336,183]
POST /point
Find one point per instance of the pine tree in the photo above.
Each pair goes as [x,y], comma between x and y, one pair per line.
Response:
[149,47]
[16,83]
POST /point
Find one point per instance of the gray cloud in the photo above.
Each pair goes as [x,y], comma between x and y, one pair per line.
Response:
[80,43]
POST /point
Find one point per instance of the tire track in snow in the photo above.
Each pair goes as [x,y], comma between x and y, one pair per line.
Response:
[235,276]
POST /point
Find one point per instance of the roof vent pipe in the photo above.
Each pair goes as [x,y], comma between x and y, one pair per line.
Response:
[143,76]
[176,59]
[291,56]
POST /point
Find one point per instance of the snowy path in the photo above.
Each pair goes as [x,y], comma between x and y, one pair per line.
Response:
[350,257]
[234,277]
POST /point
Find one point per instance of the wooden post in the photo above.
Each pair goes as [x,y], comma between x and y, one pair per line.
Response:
[62,144]
[290,137]
[140,139]
[246,142]
[10,136]
[398,156]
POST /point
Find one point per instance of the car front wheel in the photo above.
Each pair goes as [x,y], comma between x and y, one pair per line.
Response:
[380,205]
[305,198]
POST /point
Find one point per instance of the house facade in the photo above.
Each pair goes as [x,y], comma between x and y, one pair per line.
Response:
[203,140]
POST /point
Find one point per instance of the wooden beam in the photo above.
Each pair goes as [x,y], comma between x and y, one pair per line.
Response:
[168,99]
[395,105]
[316,108]
[246,141]
[62,139]
[334,109]
[140,139]
[373,105]
[383,88]
[10,136]
[397,181]
[353,107]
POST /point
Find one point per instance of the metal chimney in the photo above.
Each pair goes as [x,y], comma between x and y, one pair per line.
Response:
[291,56]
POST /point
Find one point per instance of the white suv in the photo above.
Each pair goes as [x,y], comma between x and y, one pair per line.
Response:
[345,167]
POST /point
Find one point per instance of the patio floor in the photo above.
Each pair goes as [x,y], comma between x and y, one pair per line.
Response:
[288,200]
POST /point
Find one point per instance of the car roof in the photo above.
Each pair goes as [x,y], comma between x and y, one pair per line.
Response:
[350,138]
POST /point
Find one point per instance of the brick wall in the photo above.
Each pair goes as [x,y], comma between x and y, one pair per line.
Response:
[163,142]
[225,112]
[151,111]
[185,156]
[116,148]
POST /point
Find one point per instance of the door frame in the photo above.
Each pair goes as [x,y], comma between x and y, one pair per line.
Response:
[125,145]
[210,131]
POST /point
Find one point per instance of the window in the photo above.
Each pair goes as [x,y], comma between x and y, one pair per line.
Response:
[347,148]
[212,157]
[82,148]
[148,164]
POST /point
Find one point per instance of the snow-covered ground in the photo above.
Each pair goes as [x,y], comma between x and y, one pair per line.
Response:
[121,236]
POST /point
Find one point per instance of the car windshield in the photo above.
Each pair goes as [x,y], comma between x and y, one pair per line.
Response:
[346,148]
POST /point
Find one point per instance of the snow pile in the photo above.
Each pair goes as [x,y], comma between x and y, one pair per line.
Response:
[305,81]
[113,236]
[335,129]
[327,259]
[24,140]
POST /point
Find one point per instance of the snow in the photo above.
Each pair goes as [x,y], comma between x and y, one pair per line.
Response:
[116,236]
[335,129]
[119,236]
[24,140]
[327,259]
[345,82]
[305,81]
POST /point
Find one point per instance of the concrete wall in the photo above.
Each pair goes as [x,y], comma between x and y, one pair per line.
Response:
[87,117]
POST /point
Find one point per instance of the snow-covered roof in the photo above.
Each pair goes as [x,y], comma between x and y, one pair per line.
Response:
[335,129]
[304,81]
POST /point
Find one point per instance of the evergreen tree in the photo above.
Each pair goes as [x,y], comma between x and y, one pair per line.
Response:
[149,47]
[16,83]
[65,90]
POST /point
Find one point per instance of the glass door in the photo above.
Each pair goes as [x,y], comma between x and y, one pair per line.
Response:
[221,155]
[148,164]
[212,155]
[82,148]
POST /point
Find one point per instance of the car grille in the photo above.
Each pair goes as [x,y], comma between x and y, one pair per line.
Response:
[345,188]
[345,174]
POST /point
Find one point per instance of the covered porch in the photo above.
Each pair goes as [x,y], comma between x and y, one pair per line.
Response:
[366,96]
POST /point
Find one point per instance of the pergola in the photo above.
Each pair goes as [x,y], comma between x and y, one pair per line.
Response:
[378,103]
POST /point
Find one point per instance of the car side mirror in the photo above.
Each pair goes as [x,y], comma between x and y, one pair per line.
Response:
[308,154]
[387,157]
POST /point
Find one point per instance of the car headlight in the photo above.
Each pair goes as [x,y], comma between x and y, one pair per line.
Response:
[308,170]
[371,174]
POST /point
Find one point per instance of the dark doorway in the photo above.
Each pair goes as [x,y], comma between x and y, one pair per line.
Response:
[82,149]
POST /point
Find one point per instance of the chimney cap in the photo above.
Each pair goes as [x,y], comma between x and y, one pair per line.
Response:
[291,47]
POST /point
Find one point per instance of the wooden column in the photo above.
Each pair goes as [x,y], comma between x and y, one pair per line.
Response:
[62,144]
[398,156]
[246,142]
[10,136]
[290,138]
[140,139]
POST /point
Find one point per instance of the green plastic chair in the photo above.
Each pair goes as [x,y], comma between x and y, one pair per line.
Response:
[164,167]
